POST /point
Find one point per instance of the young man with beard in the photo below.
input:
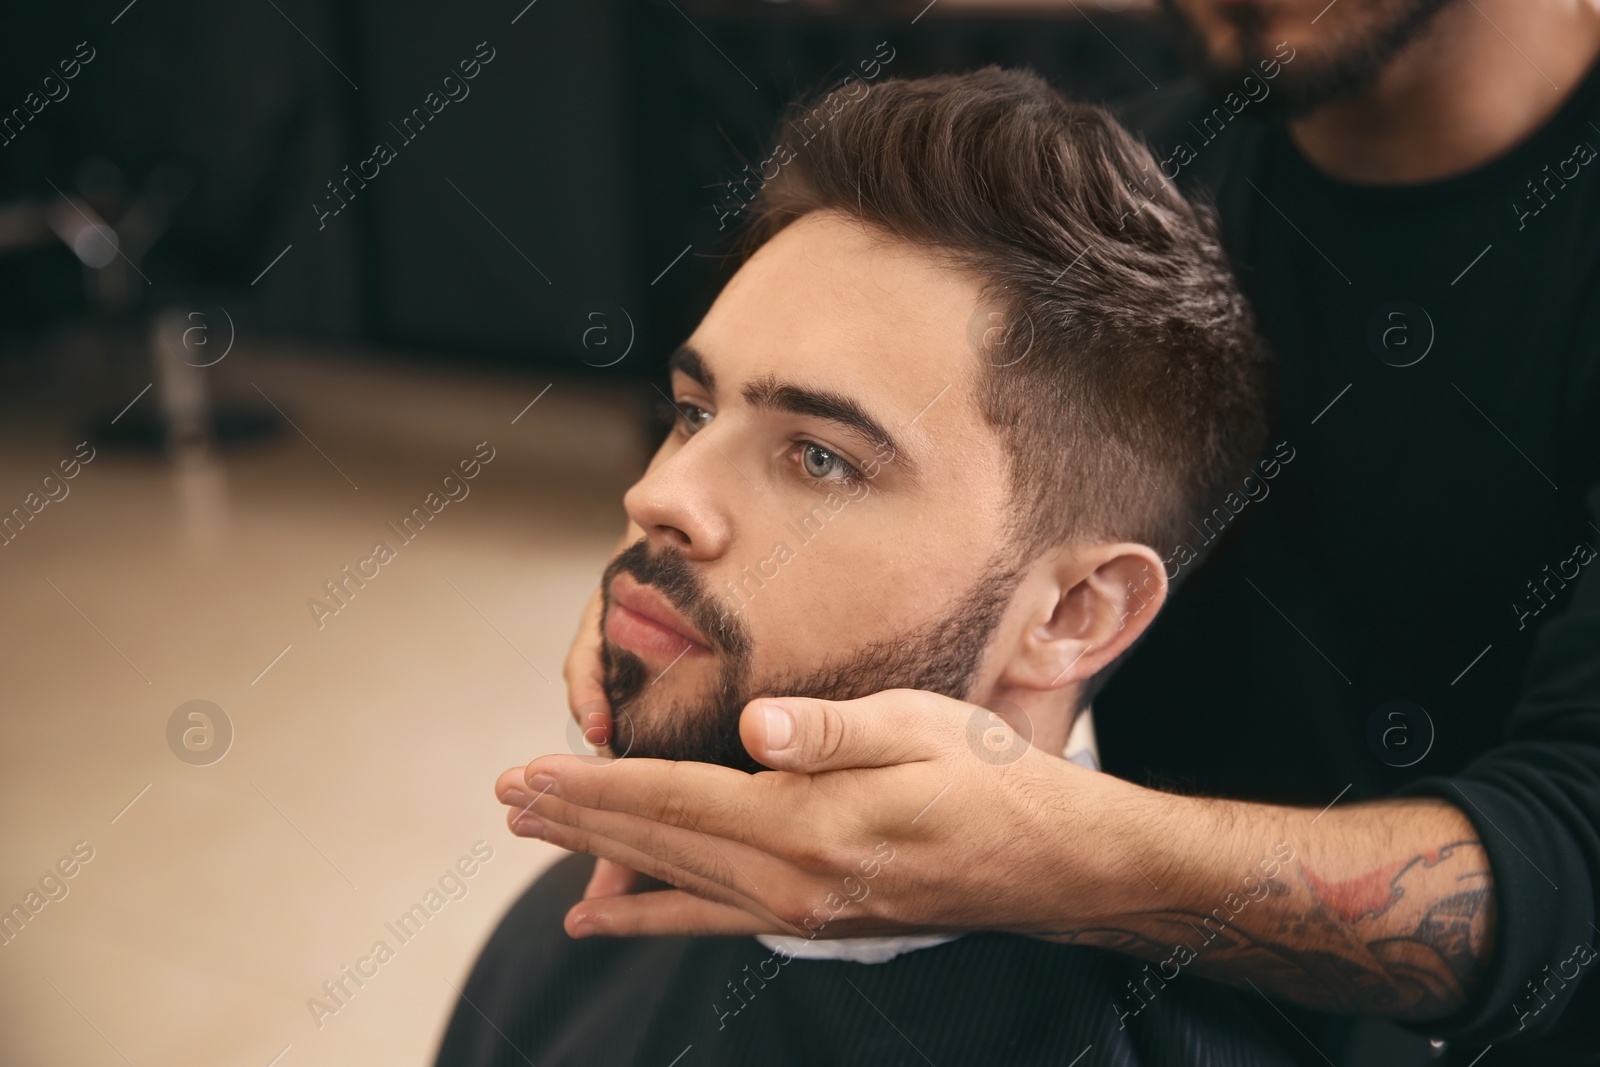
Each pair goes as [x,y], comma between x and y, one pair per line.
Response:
[1392,661]
[984,393]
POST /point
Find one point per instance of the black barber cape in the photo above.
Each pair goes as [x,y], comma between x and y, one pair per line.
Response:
[1405,598]
[538,997]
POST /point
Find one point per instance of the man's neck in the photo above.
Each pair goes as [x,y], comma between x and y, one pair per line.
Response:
[1483,76]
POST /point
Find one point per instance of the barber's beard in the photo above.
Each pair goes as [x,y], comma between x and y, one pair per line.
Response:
[941,656]
[1347,69]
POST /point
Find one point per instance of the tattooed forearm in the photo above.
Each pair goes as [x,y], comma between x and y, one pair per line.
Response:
[1407,938]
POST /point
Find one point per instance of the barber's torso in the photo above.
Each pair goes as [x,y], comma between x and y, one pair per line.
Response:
[1370,617]
[1365,621]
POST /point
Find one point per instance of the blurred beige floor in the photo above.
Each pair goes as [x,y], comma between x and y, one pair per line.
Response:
[217,904]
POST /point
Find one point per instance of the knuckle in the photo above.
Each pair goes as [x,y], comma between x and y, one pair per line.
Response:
[831,737]
[720,876]
[664,808]
[601,792]
[816,856]
[670,808]
[791,906]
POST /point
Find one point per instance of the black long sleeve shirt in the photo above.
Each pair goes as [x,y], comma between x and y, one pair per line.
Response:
[1411,604]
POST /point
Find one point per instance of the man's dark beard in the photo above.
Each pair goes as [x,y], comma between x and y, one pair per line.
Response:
[941,657]
[1303,85]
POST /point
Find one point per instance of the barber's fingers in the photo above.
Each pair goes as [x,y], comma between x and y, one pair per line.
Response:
[510,788]
[669,911]
[685,858]
[610,880]
[892,727]
[703,797]
[585,677]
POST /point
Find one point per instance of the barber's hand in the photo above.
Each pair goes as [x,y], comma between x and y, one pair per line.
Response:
[900,812]
[608,879]
[586,697]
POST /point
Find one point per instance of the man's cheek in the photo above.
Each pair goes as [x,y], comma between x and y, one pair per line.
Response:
[855,490]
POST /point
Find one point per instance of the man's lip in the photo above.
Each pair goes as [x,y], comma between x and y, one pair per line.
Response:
[645,602]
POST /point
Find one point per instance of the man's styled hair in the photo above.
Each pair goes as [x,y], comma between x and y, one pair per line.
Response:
[1131,389]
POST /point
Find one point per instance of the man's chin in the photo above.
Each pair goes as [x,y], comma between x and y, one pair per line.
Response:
[673,721]
[672,736]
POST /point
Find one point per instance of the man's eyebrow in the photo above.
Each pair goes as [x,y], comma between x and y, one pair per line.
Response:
[686,359]
[768,393]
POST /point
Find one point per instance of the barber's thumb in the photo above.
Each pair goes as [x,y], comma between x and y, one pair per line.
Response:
[585,678]
[586,698]
[810,735]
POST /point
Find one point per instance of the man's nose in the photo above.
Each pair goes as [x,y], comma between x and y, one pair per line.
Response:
[683,499]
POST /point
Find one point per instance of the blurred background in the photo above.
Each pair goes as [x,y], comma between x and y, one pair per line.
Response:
[240,345]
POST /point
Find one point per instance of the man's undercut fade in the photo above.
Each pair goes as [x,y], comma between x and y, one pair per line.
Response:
[1131,390]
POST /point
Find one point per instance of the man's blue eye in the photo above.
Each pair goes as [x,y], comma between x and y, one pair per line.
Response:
[822,464]
[694,418]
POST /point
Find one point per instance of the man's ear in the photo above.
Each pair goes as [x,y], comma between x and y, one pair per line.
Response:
[1091,604]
